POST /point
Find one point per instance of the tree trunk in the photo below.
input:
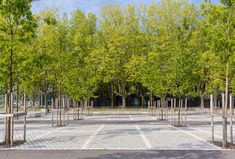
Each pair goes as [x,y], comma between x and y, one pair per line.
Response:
[226,90]
[57,103]
[59,98]
[123,102]
[202,104]
[9,126]
[172,100]
[68,102]
[17,99]
[46,104]
[224,122]
[151,100]
[162,106]
[85,104]
[53,102]
[40,101]
[112,95]
[179,107]
[215,100]
[82,104]
[112,105]
[142,101]
[231,117]
[33,101]
[185,113]
[25,110]
[6,119]
[10,100]
[225,106]
[212,117]
[63,101]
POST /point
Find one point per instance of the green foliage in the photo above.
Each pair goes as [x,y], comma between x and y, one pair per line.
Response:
[17,26]
[80,79]
[168,48]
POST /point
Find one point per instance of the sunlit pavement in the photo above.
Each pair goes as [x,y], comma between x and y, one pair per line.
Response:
[128,133]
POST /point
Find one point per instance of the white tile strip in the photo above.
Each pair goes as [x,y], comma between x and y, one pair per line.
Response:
[145,140]
[204,131]
[143,137]
[89,140]
[197,137]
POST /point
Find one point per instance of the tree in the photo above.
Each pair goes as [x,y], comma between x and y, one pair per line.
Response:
[220,20]
[118,41]
[17,24]
[80,78]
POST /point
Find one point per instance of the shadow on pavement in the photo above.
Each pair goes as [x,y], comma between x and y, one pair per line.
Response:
[103,154]
[164,155]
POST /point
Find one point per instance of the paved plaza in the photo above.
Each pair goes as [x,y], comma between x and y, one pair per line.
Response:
[120,132]
[125,132]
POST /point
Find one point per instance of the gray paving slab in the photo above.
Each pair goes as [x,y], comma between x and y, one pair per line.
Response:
[116,154]
[117,137]
[119,132]
[171,138]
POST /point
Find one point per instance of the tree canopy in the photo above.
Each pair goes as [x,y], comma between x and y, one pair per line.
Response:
[170,48]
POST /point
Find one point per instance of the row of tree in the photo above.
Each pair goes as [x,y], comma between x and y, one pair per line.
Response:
[168,48]
[171,48]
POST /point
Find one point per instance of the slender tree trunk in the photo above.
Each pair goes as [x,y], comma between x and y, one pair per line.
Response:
[17,99]
[215,100]
[172,100]
[179,107]
[25,110]
[68,102]
[11,101]
[123,102]
[41,99]
[163,98]
[231,117]
[53,102]
[212,118]
[112,96]
[63,101]
[86,106]
[142,101]
[202,104]
[225,108]
[151,100]
[33,100]
[11,84]
[6,119]
[59,98]
[174,116]
[46,99]
[185,113]
[46,104]
[226,90]
[224,122]
[10,104]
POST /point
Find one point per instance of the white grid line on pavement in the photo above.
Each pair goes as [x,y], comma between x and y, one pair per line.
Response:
[197,137]
[143,137]
[88,141]
[207,132]
[45,134]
